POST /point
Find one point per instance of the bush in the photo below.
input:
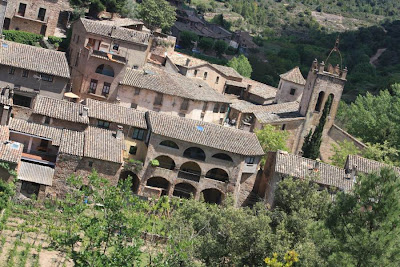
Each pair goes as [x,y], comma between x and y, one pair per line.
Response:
[56,41]
[187,39]
[220,47]
[22,37]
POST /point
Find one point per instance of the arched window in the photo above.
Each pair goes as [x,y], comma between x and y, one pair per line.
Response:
[105,70]
[218,174]
[184,190]
[318,106]
[169,143]
[195,153]
[166,162]
[134,180]
[159,182]
[212,196]
[190,171]
[222,156]
[330,99]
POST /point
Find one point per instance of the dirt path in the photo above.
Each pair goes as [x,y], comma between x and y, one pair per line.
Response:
[374,59]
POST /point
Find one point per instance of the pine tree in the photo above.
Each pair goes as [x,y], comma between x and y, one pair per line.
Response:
[312,142]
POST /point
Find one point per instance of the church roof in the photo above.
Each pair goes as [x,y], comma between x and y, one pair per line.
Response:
[294,76]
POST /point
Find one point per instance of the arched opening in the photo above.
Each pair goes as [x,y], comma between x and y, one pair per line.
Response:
[159,182]
[218,174]
[319,101]
[105,70]
[184,190]
[223,156]
[190,171]
[134,180]
[166,162]
[330,101]
[169,143]
[195,153]
[212,196]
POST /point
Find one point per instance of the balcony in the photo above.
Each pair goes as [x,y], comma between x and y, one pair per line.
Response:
[40,157]
[42,20]
[107,56]
[187,175]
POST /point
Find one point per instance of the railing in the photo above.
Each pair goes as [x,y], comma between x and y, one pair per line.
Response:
[189,176]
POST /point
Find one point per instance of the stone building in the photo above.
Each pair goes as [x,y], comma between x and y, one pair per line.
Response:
[31,70]
[99,55]
[174,94]
[10,153]
[198,158]
[291,86]
[36,16]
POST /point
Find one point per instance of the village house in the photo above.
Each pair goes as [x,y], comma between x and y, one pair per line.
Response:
[31,70]
[174,94]
[10,153]
[36,16]
[99,55]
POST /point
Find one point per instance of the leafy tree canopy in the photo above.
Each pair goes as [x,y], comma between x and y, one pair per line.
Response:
[272,139]
[242,65]
[157,14]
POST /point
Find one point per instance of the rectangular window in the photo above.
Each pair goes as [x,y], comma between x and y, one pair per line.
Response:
[137,91]
[11,71]
[183,115]
[21,100]
[103,124]
[158,99]
[93,86]
[91,42]
[205,75]
[133,150]
[106,89]
[195,73]
[138,134]
[250,160]
[283,127]
[116,47]
[41,14]
[46,120]
[21,9]
[46,77]
[185,104]
[133,105]
[73,37]
[77,59]
[223,108]
[77,39]
[205,106]
[216,108]
[217,80]
[25,73]
[90,164]
[292,91]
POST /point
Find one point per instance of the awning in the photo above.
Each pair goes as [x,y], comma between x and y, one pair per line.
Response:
[71,95]
[35,173]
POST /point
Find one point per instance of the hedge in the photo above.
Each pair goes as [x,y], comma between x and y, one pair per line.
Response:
[22,37]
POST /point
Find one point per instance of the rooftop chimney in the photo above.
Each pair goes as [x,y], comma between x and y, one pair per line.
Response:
[120,133]
[316,164]
[249,86]
[354,173]
[85,111]
[321,67]
[11,93]
[187,62]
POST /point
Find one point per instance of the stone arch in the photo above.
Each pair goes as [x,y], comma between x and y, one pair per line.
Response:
[330,98]
[106,70]
[218,174]
[212,196]
[135,180]
[159,182]
[195,153]
[222,156]
[184,190]
[169,143]
[320,100]
[190,171]
[166,162]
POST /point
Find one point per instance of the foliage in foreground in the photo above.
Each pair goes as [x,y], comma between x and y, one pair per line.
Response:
[272,139]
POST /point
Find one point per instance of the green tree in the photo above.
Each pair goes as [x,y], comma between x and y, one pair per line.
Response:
[382,152]
[187,39]
[157,14]
[272,139]
[342,151]
[312,142]
[220,47]
[206,44]
[365,222]
[242,65]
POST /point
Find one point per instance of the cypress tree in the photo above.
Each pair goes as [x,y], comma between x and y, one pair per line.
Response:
[312,142]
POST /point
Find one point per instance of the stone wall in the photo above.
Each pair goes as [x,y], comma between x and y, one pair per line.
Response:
[284,89]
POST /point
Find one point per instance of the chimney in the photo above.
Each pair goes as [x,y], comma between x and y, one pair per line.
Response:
[354,173]
[344,73]
[120,133]
[316,164]
[321,67]
[11,93]
[249,86]
[85,111]
[187,62]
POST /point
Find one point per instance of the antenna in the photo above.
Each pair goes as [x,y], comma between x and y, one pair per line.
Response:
[336,49]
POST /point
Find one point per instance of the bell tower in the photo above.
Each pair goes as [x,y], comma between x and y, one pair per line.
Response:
[323,81]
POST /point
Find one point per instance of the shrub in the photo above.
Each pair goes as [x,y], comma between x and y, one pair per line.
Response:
[22,37]
[154,163]
[56,41]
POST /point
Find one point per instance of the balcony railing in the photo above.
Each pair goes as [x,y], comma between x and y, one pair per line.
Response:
[189,176]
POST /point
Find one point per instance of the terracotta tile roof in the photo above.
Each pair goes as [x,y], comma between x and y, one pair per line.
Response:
[262,90]
[181,60]
[35,173]
[227,71]
[116,113]
[172,84]
[5,100]
[205,134]
[10,151]
[72,143]
[247,107]
[102,144]
[299,167]
[59,109]
[34,58]
[109,31]
[365,165]
[294,76]
[4,133]
[265,117]
[48,132]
